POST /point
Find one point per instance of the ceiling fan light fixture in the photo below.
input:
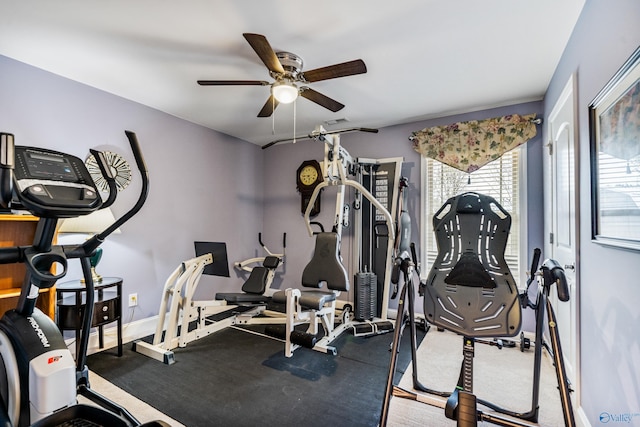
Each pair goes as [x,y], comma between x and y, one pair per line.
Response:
[284,92]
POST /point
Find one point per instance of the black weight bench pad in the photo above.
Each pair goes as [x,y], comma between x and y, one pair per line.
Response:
[252,290]
[470,289]
[311,300]
[239,298]
[271,262]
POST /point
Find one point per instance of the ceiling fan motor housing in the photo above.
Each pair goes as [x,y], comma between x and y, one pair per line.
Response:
[291,63]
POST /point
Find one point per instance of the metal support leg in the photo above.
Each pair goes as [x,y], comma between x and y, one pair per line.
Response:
[407,296]
[561,374]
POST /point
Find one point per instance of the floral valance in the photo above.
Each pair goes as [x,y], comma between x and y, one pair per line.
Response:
[468,146]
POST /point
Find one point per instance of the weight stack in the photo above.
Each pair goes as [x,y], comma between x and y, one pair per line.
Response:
[366,300]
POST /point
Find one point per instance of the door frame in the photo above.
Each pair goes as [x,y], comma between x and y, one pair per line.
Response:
[568,94]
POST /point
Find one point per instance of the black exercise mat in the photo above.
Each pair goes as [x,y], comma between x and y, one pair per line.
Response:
[236,378]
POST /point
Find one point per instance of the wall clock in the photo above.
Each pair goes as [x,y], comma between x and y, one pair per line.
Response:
[308,176]
[119,167]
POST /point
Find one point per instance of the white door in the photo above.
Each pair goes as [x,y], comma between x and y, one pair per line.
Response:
[564,234]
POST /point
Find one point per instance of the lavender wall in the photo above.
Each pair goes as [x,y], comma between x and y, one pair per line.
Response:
[209,186]
[607,33]
[282,202]
[204,185]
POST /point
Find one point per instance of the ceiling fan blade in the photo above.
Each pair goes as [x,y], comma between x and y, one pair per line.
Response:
[320,99]
[232,83]
[262,47]
[334,71]
[268,107]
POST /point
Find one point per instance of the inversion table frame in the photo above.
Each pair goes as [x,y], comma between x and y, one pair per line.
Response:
[462,404]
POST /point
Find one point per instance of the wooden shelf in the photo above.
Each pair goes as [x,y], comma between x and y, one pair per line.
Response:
[19,230]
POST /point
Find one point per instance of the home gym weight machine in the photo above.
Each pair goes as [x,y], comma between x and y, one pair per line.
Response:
[40,383]
[179,310]
[318,308]
[374,249]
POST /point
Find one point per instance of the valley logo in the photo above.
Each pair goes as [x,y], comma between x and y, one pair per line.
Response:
[623,417]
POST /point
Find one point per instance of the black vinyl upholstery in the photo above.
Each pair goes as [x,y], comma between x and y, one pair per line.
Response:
[254,288]
[325,265]
[470,289]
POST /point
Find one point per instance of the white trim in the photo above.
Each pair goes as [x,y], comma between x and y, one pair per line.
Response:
[523,189]
[581,418]
[130,332]
[423,218]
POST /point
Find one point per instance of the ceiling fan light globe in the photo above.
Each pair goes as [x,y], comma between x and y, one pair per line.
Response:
[284,93]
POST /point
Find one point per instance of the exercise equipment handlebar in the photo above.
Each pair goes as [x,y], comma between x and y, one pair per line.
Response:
[7,162]
[107,173]
[553,272]
[91,244]
[534,265]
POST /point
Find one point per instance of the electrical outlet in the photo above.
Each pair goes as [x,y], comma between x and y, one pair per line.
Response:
[133,300]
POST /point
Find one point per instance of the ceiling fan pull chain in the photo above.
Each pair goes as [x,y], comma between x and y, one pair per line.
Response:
[273,116]
[295,109]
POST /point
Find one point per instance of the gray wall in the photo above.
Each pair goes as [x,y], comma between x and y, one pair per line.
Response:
[204,185]
[606,34]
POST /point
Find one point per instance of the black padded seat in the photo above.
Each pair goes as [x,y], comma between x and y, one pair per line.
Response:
[311,300]
[315,300]
[255,286]
[239,298]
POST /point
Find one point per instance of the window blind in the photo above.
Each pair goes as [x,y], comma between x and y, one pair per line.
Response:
[498,179]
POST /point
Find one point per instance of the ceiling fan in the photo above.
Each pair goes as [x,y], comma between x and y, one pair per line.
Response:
[286,69]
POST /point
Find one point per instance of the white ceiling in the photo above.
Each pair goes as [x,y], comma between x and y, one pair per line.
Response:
[425,58]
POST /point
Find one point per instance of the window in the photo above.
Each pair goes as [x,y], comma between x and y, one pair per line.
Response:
[500,179]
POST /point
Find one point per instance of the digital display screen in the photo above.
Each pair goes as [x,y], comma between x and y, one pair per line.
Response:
[43,165]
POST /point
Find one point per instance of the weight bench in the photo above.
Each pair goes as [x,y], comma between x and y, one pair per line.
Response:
[315,307]
[253,290]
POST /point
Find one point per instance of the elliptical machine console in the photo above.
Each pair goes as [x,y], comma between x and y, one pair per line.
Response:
[39,380]
[53,184]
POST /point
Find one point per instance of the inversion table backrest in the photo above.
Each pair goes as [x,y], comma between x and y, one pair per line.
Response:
[470,289]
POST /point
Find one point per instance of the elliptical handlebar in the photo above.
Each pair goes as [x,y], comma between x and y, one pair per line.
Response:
[105,170]
[91,244]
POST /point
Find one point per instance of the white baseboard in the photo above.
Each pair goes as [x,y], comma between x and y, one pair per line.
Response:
[130,332]
[581,418]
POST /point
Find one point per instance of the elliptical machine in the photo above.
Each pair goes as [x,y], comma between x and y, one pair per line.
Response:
[40,382]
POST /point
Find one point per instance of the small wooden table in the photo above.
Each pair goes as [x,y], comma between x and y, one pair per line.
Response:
[107,307]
